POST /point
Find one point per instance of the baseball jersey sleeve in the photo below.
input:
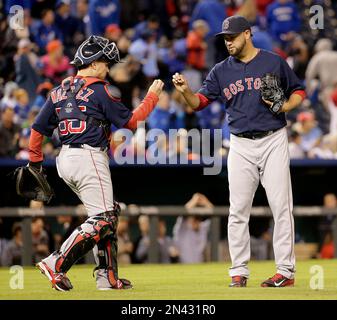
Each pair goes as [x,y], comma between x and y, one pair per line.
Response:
[210,88]
[46,121]
[114,110]
[289,80]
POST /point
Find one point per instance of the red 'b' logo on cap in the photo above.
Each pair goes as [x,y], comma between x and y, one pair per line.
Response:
[226,25]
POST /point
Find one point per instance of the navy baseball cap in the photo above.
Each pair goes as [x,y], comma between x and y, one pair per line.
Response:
[234,25]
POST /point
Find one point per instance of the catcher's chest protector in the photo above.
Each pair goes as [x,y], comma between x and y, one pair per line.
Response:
[71,109]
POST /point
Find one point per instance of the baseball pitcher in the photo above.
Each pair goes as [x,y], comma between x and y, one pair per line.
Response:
[258,88]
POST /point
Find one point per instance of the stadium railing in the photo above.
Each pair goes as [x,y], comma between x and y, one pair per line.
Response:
[154,212]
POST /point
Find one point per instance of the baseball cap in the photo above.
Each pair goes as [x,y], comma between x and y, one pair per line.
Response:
[234,25]
[305,116]
[53,45]
[113,28]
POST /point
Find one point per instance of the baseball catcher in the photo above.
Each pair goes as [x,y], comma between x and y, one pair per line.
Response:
[83,109]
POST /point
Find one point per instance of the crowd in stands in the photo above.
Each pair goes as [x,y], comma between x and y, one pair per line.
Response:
[187,241]
[157,39]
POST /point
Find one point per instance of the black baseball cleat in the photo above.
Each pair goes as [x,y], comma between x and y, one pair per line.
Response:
[59,281]
[238,281]
[278,281]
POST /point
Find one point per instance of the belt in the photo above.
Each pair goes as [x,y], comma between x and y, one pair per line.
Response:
[254,135]
[84,146]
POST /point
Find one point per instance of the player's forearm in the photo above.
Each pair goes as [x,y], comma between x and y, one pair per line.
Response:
[35,146]
[192,99]
[143,110]
[294,101]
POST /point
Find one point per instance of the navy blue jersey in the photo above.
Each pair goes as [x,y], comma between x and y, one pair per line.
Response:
[96,101]
[238,85]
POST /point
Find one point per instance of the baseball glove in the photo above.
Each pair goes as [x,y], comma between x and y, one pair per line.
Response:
[31,183]
[271,91]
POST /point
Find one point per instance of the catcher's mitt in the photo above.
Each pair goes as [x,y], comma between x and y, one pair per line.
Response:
[271,91]
[31,183]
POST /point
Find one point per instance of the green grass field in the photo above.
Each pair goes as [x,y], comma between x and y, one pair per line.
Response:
[182,282]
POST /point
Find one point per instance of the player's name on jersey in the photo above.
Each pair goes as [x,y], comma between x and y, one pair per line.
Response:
[60,95]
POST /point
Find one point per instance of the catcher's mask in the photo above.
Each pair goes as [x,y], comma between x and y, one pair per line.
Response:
[96,48]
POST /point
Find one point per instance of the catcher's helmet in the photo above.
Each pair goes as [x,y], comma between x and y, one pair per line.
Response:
[96,48]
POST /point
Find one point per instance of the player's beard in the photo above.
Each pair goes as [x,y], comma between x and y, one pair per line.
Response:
[237,50]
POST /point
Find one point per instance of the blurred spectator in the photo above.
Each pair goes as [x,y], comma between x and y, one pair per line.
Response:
[307,127]
[125,245]
[261,38]
[167,250]
[129,13]
[151,25]
[59,227]
[211,11]
[12,253]
[327,148]
[71,28]
[161,117]
[145,50]
[190,234]
[26,63]
[212,117]
[298,56]
[283,20]
[9,133]
[14,35]
[143,242]
[8,99]
[323,66]
[49,152]
[102,13]
[196,45]
[295,149]
[40,240]
[326,243]
[214,13]
[23,154]
[47,31]
[82,11]
[55,65]
[321,78]
[328,249]
[30,119]
[42,93]
[261,6]
[128,78]
[332,106]
[113,32]
[260,246]
[22,106]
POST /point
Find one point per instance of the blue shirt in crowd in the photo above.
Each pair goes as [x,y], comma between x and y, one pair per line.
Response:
[213,12]
[282,18]
[102,13]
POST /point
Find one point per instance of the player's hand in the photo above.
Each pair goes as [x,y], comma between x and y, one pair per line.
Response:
[156,87]
[180,82]
[285,106]
[269,103]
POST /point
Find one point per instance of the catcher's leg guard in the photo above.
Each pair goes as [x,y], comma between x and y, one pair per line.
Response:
[106,258]
[84,239]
